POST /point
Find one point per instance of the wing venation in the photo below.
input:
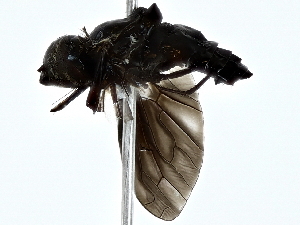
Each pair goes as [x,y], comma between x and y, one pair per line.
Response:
[169,147]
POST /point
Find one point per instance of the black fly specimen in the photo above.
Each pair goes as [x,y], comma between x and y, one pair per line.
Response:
[138,51]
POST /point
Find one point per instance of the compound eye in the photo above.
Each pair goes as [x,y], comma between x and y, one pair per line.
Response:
[76,62]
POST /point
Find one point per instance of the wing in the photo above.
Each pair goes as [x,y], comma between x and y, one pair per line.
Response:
[169,147]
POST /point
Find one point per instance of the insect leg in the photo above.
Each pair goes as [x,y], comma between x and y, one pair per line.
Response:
[64,103]
[197,86]
[117,102]
[94,97]
[190,91]
[176,74]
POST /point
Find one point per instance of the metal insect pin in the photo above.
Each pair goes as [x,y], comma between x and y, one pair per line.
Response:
[138,51]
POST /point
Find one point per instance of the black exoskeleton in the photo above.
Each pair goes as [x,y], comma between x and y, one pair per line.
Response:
[140,51]
[134,51]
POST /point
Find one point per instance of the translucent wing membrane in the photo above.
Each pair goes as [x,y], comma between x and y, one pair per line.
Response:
[134,51]
[169,147]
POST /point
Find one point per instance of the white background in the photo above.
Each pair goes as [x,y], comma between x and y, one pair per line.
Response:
[65,168]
